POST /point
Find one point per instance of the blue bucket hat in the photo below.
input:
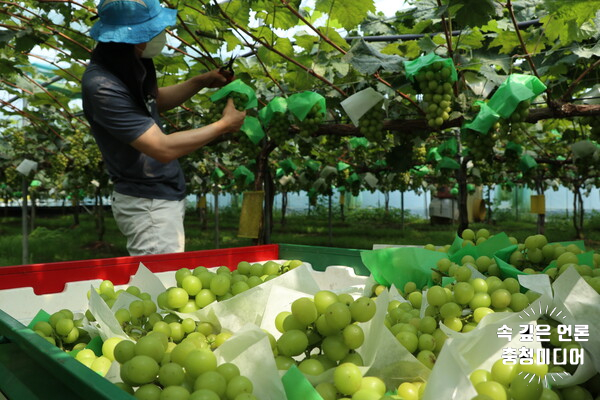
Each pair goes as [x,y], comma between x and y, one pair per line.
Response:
[131,21]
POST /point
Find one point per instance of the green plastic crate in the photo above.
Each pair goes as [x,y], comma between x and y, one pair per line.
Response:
[32,368]
[322,257]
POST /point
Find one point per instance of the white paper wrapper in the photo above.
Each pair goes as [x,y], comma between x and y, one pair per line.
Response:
[583,305]
[147,282]
[106,323]
[250,350]
[249,307]
[574,302]
[385,356]
[539,283]
[342,279]
[382,354]
[359,103]
[280,299]
[466,352]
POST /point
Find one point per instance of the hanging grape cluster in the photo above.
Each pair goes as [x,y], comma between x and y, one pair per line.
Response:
[594,123]
[215,110]
[481,145]
[435,81]
[515,127]
[311,122]
[17,141]
[82,155]
[58,164]
[371,124]
[279,127]
[247,146]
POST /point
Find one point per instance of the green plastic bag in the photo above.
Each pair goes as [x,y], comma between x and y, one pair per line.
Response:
[313,165]
[342,166]
[253,129]
[357,142]
[582,258]
[449,147]
[456,245]
[300,104]
[288,166]
[217,174]
[448,163]
[244,173]
[297,387]
[421,170]
[277,105]
[239,87]
[507,270]
[514,148]
[484,120]
[399,265]
[433,155]
[353,178]
[527,162]
[515,89]
[413,67]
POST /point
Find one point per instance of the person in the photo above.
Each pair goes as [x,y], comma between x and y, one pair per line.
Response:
[121,101]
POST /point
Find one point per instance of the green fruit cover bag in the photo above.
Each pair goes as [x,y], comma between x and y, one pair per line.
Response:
[277,105]
[413,67]
[243,173]
[288,166]
[515,89]
[484,120]
[239,87]
[300,104]
[253,129]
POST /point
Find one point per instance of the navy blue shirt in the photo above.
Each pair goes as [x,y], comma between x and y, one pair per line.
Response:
[116,120]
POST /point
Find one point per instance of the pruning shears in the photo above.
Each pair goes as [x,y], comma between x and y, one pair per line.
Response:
[227,69]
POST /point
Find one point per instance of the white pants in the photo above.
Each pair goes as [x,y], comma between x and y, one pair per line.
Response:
[151,226]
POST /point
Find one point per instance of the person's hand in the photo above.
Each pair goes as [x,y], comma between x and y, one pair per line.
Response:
[233,118]
[216,78]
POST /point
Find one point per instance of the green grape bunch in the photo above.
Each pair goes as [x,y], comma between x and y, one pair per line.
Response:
[311,122]
[327,322]
[247,146]
[481,145]
[435,82]
[215,110]
[239,100]
[515,127]
[371,124]
[279,127]
[594,123]
[63,330]
[214,113]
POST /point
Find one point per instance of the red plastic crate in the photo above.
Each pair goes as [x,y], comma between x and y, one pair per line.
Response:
[52,277]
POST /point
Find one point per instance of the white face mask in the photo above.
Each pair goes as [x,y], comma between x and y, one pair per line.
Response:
[155,45]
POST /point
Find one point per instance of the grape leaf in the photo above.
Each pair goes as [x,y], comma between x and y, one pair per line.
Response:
[305,40]
[427,44]
[474,12]
[367,60]
[276,15]
[508,41]
[334,37]
[569,21]
[587,52]
[284,46]
[348,13]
